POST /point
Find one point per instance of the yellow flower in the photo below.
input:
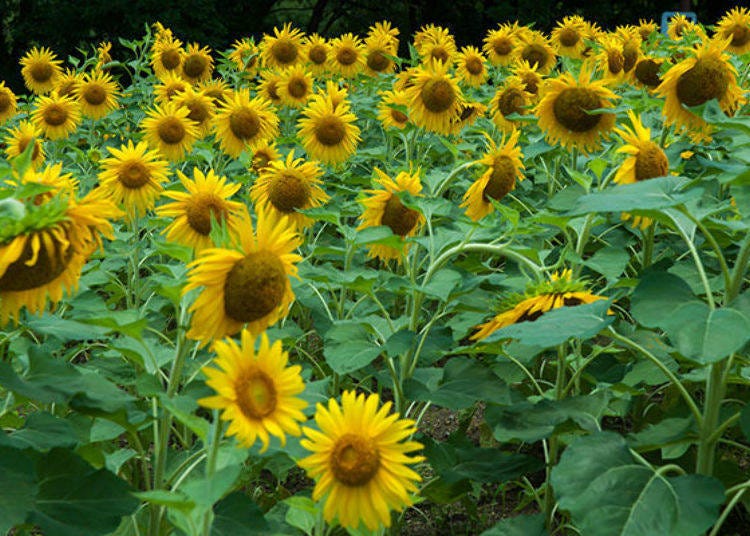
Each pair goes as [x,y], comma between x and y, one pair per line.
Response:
[385,30]
[197,63]
[434,98]
[529,76]
[679,26]
[8,104]
[316,52]
[435,44]
[646,27]
[610,61]
[568,37]
[500,45]
[40,70]
[347,56]
[377,49]
[283,49]
[536,50]
[510,98]
[328,133]
[471,66]
[389,116]
[97,94]
[245,55]
[242,123]
[168,129]
[166,56]
[268,88]
[201,108]
[295,86]
[216,89]
[103,55]
[57,117]
[360,458]
[256,390]
[19,138]
[67,83]
[735,24]
[172,84]
[264,155]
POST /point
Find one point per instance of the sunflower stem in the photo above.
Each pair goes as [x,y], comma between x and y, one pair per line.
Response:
[560,381]
[697,259]
[716,247]
[648,245]
[738,272]
[212,451]
[715,390]
[444,185]
[132,298]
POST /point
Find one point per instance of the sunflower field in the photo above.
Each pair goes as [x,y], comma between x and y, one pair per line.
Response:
[309,286]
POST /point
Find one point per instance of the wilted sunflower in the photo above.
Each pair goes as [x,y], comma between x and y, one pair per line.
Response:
[360,460]
[201,108]
[19,138]
[8,103]
[285,187]
[171,85]
[97,94]
[242,122]
[206,201]
[256,390]
[248,285]
[560,291]
[295,86]
[197,63]
[568,37]
[245,55]
[166,56]
[133,176]
[283,49]
[316,51]
[167,128]
[269,87]
[434,98]
[471,66]
[706,75]
[500,45]
[68,82]
[264,155]
[510,98]
[392,111]
[564,111]
[504,167]
[735,24]
[347,56]
[530,77]
[377,49]
[630,39]
[328,133]
[647,72]
[57,117]
[40,70]
[384,207]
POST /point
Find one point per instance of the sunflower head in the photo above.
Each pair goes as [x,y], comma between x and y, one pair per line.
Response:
[536,50]
[295,86]
[347,56]
[20,137]
[245,56]
[263,155]
[735,26]
[568,37]
[242,122]
[197,63]
[171,85]
[283,49]
[216,89]
[647,72]
[385,30]
[168,130]
[328,133]
[269,87]
[8,103]
[68,82]
[166,55]
[500,45]
[435,44]
[510,98]
[530,77]
[393,110]
[646,27]
[97,94]
[40,70]
[57,117]
[378,48]
[434,98]
[316,52]
[201,108]
[471,66]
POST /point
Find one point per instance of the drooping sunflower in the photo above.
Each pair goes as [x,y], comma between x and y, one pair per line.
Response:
[170,85]
[735,24]
[393,109]
[201,108]
[384,29]
[103,54]
[283,49]
[40,70]
[504,168]
[216,89]
[471,67]
[536,50]
[630,39]
[269,87]
[530,77]
[166,56]
[167,128]
[205,201]
[264,155]
[256,390]
[568,37]
[8,103]
[560,291]
[285,187]
[57,117]
[679,26]
[510,98]
[133,177]
[706,75]
[197,63]
[377,49]
[467,115]
[242,122]
[347,55]
[647,73]
[316,51]
[646,27]
[500,45]
[247,285]
[68,82]
[611,61]
[19,138]
[435,44]
[564,111]
[360,460]
[97,94]
[434,98]
[245,55]
[328,133]
[383,206]
[295,86]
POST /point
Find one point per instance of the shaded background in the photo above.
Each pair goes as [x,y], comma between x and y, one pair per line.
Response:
[65,25]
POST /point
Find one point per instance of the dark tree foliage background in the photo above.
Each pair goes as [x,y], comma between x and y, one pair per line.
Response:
[66,25]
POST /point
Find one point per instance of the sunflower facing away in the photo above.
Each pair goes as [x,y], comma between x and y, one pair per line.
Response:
[8,103]
[434,98]
[735,24]
[504,167]
[388,114]
[256,390]
[510,98]
[384,207]
[360,460]
[133,176]
[560,291]
[19,138]
[285,187]
[205,201]
[167,129]
[242,122]
[328,133]
[471,68]
[40,70]
[564,111]
[97,94]
[283,49]
[248,285]
[57,117]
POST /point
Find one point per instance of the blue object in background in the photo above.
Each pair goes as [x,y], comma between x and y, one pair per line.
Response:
[667,15]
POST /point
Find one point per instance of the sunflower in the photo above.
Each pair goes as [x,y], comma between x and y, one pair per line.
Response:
[248,285]
[269,87]
[8,103]
[536,50]
[510,98]
[19,138]
[384,207]
[295,86]
[385,30]
[560,291]
[504,167]
[215,89]
[201,108]
[171,85]
[133,176]
[166,56]
[647,72]
[245,55]
[67,83]
[529,76]
[97,94]
[57,117]
[392,111]
[285,187]
[735,24]
[500,45]
[242,123]
[471,66]
[434,98]
[646,27]
[256,390]
[564,111]
[568,37]
[435,44]
[695,80]
[103,54]
[316,51]
[338,95]
[328,133]
[467,115]
[40,70]
[611,61]
[264,155]
[377,49]
[283,49]
[679,26]
[347,55]
[197,63]
[631,48]
[167,128]
[360,460]
[194,211]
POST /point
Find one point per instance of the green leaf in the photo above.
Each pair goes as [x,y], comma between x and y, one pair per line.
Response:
[18,488]
[522,525]
[700,498]
[42,431]
[610,262]
[656,297]
[349,347]
[172,499]
[442,284]
[237,515]
[706,335]
[302,514]
[441,492]
[663,433]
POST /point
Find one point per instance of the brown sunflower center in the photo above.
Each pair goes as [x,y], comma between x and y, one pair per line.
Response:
[261,160]
[195,66]
[55,115]
[5,102]
[330,131]
[740,35]
[510,102]
[474,65]
[66,88]
[318,54]
[377,61]
[346,56]
[629,55]
[284,51]
[202,209]
[535,54]
[94,94]
[41,72]
[438,95]
[531,83]
[398,116]
[399,218]
[571,107]
[354,460]
[48,266]
[502,179]
[133,175]
[171,131]
[615,61]
[647,73]
[198,111]
[679,28]
[502,46]
[569,37]
[288,193]
[215,94]
[254,287]
[651,162]
[272,90]
[256,395]
[170,59]
[173,89]
[244,124]
[24,142]
[297,87]
[440,54]
[706,80]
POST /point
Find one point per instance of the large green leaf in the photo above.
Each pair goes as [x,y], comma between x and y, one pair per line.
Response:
[522,525]
[237,515]
[18,488]
[42,431]
[656,297]
[349,347]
